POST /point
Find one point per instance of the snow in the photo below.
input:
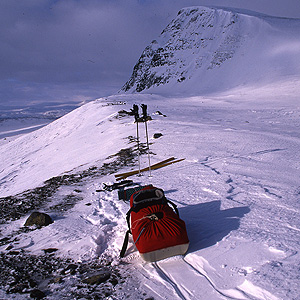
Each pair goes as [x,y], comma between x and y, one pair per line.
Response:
[237,189]
[33,151]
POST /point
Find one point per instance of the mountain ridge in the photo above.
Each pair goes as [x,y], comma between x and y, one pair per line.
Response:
[242,11]
[205,50]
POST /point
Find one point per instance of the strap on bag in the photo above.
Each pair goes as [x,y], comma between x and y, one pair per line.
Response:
[174,207]
[125,243]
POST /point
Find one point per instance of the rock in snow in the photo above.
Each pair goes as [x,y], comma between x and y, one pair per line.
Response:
[39,219]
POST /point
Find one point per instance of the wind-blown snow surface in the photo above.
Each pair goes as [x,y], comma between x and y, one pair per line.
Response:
[237,190]
[17,120]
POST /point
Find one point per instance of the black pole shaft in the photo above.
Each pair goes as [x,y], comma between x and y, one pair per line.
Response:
[148,147]
[144,109]
[135,111]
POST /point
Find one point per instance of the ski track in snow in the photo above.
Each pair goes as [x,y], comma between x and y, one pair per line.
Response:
[204,282]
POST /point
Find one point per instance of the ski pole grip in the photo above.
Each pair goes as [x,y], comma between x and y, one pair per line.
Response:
[144,109]
[135,111]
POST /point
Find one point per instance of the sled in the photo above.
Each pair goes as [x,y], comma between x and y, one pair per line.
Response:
[156,228]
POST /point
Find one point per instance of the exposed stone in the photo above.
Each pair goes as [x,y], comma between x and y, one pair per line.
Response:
[97,278]
[37,294]
[38,276]
[58,279]
[157,135]
[71,269]
[68,202]
[160,113]
[14,207]
[39,219]
[50,250]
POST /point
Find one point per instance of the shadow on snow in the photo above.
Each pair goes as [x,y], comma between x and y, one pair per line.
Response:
[207,224]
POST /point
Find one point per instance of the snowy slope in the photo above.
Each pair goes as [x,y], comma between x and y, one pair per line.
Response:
[212,49]
[237,189]
[70,134]
[16,120]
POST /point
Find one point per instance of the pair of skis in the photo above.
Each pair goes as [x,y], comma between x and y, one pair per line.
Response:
[144,119]
[161,164]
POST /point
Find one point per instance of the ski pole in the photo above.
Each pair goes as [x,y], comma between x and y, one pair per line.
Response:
[144,109]
[135,111]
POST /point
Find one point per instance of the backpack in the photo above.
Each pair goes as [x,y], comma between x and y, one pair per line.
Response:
[156,228]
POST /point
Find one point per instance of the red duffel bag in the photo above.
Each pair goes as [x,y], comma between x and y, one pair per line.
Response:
[156,228]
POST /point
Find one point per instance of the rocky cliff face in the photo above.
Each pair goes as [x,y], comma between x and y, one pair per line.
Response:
[199,43]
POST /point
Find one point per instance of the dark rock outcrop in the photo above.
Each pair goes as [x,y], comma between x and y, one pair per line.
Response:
[39,219]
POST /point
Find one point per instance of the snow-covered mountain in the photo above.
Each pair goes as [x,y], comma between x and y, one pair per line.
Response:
[212,49]
[237,189]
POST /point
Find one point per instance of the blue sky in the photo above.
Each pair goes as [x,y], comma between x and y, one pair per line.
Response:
[75,50]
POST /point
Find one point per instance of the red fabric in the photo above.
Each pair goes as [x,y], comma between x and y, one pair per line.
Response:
[150,235]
